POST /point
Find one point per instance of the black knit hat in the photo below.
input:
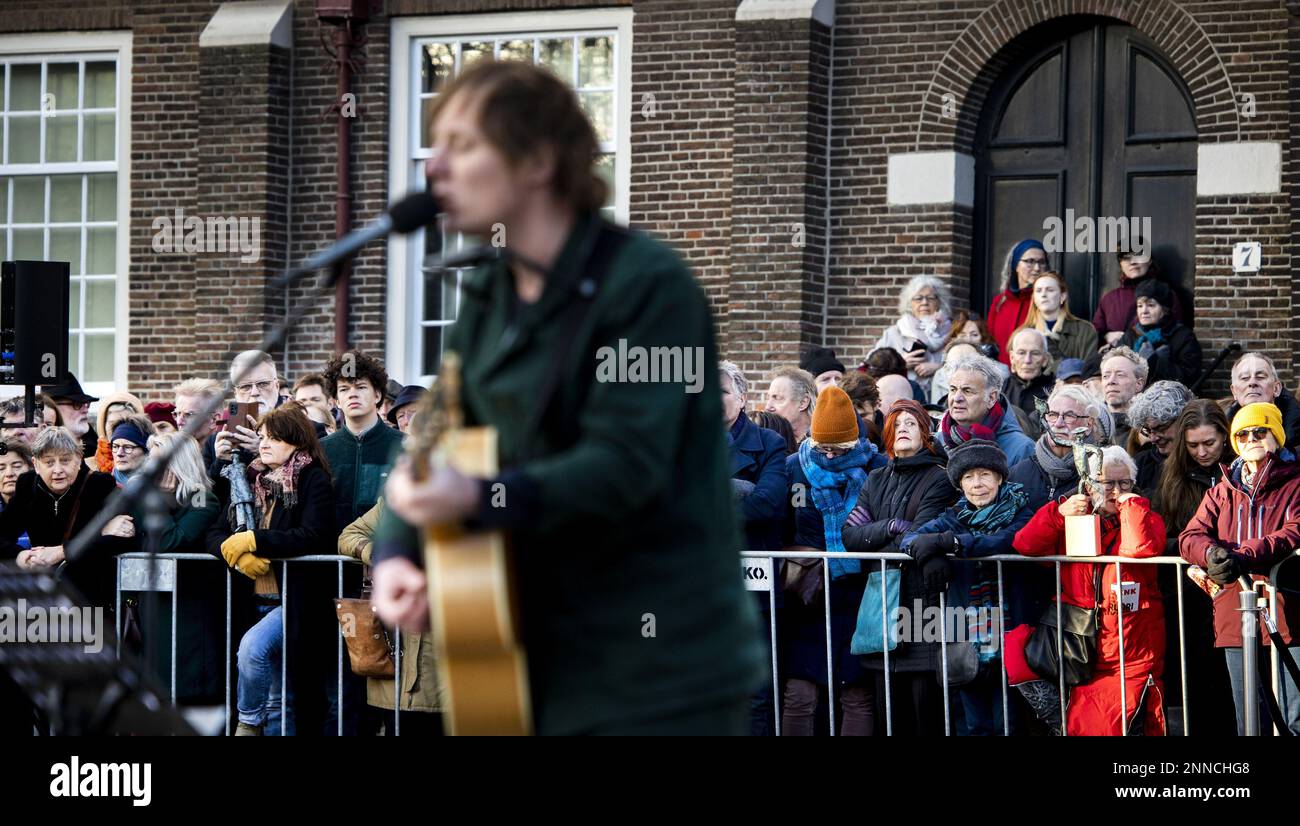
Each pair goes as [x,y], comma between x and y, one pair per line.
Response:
[1156,290]
[820,359]
[972,454]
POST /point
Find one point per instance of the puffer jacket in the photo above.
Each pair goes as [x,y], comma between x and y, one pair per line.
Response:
[1135,531]
[1261,526]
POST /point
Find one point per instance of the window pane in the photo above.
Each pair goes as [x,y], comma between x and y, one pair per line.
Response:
[29,199]
[473,52]
[74,315]
[99,359]
[517,50]
[101,85]
[432,349]
[65,198]
[605,168]
[61,81]
[25,87]
[426,127]
[102,197]
[61,139]
[65,245]
[599,107]
[4,201]
[596,62]
[436,66]
[99,304]
[29,245]
[100,137]
[101,251]
[557,55]
[25,139]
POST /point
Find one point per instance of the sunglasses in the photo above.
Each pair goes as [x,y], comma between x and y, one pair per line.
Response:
[1252,434]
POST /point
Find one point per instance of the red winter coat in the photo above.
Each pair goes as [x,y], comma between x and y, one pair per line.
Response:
[1263,529]
[1008,312]
[1136,531]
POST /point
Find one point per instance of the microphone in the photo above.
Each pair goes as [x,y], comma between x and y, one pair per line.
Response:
[407,215]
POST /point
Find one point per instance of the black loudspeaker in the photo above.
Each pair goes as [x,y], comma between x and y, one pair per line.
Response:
[34,298]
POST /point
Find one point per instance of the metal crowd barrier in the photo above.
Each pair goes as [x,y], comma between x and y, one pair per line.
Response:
[134,571]
[1000,559]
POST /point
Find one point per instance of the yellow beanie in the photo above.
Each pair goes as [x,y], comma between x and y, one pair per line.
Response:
[834,422]
[1258,414]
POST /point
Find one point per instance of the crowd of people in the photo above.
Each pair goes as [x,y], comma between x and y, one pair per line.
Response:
[955,440]
[301,476]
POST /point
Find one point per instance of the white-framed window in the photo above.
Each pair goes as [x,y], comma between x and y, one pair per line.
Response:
[589,49]
[64,173]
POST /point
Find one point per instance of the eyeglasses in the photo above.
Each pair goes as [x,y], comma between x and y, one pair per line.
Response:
[1159,430]
[181,418]
[1034,263]
[1115,484]
[925,299]
[262,386]
[126,449]
[1054,416]
[1252,434]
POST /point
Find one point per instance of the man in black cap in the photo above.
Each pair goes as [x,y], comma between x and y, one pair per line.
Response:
[403,409]
[74,405]
[824,367]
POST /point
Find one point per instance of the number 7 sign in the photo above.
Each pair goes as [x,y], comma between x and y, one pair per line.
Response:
[1245,257]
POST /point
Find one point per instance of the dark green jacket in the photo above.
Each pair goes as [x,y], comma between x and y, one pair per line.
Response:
[359,468]
[625,534]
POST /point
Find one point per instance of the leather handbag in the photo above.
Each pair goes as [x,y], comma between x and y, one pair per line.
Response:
[370,651]
[1078,651]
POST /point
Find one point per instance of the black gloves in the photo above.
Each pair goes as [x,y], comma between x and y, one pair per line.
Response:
[936,572]
[928,545]
[1222,566]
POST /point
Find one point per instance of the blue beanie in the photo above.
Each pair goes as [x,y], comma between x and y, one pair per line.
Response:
[131,433]
[1016,253]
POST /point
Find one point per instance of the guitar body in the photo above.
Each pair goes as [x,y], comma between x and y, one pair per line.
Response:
[481,660]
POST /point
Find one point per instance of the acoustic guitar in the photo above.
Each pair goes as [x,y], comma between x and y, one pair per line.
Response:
[472,596]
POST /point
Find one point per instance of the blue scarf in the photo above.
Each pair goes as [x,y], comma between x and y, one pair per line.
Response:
[1150,339]
[997,514]
[835,485]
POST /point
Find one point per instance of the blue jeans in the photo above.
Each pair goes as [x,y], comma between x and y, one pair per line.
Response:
[981,705]
[1288,698]
[259,687]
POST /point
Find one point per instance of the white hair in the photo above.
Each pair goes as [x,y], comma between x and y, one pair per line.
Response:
[1116,455]
[55,441]
[1140,367]
[918,283]
[732,372]
[249,359]
[986,367]
[1104,428]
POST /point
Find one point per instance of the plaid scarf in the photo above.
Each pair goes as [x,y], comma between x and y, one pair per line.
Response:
[954,434]
[835,485]
[280,484]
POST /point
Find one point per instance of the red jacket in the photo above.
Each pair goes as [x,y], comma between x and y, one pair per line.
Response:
[1261,527]
[1136,532]
[1008,312]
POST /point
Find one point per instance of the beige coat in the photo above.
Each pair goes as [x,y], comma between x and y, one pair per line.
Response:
[419,671]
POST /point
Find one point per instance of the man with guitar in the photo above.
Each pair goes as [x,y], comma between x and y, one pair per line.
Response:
[613,487]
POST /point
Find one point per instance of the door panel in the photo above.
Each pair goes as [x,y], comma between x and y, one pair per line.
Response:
[1087,117]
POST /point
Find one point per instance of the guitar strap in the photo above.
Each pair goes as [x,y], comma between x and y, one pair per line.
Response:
[603,241]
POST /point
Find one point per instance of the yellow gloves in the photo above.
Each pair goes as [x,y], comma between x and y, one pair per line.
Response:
[252,566]
[238,553]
